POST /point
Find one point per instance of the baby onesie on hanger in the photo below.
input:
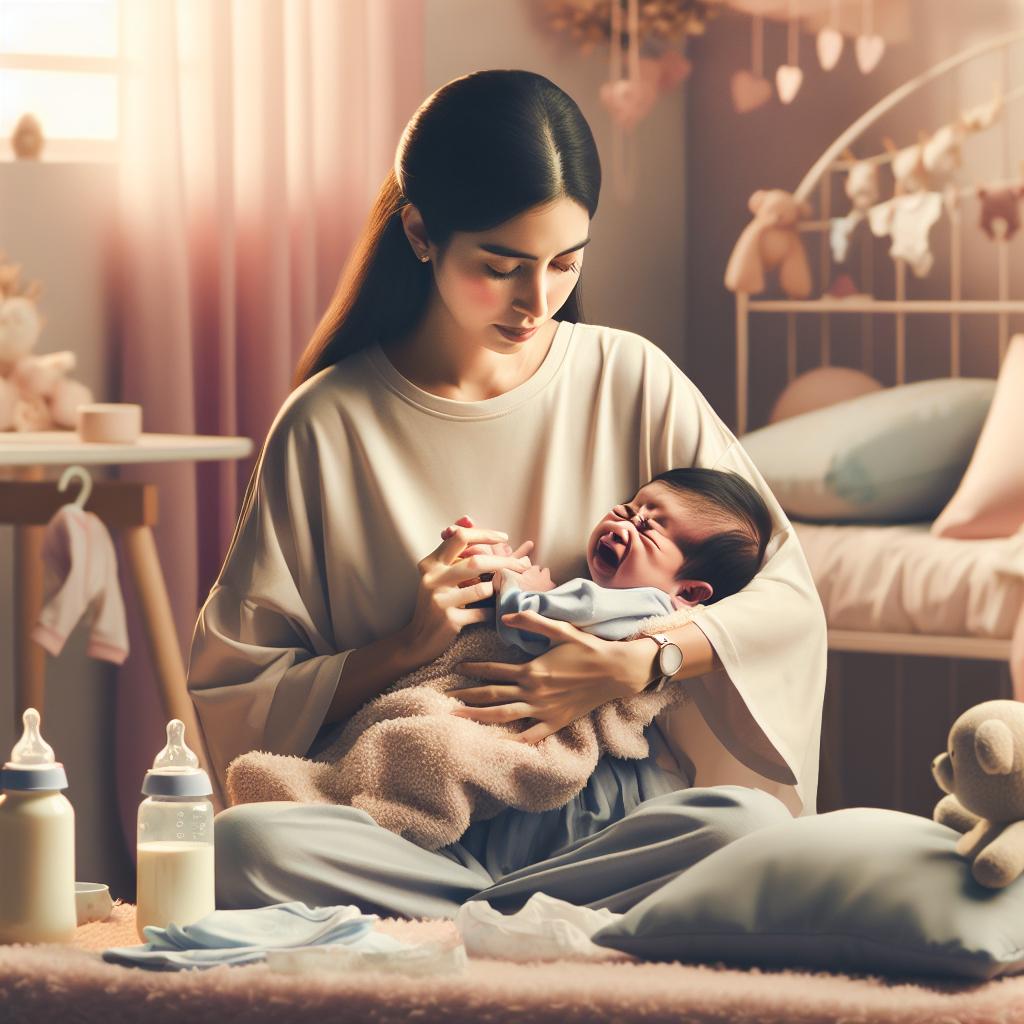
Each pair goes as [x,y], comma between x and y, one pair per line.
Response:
[908,219]
[81,578]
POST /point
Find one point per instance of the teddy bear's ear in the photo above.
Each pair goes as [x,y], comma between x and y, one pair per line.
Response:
[993,747]
[756,200]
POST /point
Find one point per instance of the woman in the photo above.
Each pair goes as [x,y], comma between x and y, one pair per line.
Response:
[413,403]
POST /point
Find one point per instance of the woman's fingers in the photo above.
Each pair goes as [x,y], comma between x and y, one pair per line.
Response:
[534,622]
[509,673]
[500,713]
[466,594]
[536,733]
[475,567]
[481,696]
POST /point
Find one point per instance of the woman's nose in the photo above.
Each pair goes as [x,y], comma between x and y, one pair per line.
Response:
[534,303]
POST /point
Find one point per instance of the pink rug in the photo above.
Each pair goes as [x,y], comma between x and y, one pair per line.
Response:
[72,985]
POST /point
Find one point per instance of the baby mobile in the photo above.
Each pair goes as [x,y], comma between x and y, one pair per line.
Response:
[922,188]
[649,38]
[750,88]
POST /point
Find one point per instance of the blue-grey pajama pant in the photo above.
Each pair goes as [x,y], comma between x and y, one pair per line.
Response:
[628,832]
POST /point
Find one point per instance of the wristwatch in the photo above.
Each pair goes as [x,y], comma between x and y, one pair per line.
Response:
[670,661]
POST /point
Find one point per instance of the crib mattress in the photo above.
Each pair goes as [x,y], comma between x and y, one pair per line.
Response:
[901,579]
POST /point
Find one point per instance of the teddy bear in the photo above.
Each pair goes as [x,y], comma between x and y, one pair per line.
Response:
[771,240]
[983,774]
[35,391]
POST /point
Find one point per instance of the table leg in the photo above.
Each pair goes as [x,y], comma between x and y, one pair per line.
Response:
[29,657]
[161,634]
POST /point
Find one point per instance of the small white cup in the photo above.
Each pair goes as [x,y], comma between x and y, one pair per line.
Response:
[110,422]
[92,902]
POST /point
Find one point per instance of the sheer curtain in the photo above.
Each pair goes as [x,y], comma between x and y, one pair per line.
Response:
[255,134]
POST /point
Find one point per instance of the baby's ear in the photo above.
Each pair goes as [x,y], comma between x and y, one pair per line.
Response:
[691,592]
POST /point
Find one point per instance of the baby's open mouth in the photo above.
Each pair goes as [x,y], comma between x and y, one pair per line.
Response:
[610,550]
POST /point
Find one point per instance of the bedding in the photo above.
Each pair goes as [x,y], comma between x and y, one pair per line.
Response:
[894,455]
[901,579]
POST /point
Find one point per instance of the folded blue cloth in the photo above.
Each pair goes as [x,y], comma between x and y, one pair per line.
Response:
[244,936]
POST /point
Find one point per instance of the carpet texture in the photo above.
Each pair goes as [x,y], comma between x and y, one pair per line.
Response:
[72,985]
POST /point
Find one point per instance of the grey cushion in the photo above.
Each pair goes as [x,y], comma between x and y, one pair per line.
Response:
[895,455]
[861,890]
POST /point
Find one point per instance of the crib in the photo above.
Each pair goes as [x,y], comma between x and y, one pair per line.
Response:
[880,327]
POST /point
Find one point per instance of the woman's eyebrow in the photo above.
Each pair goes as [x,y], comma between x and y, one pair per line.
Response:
[503,250]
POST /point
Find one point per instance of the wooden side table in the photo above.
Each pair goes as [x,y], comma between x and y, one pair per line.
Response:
[29,502]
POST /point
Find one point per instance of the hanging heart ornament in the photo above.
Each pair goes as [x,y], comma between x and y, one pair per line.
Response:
[830,47]
[627,101]
[788,79]
[749,91]
[869,50]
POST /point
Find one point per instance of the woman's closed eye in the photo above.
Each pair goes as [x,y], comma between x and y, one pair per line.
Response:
[497,273]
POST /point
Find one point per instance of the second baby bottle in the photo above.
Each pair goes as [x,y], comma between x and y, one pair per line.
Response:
[175,839]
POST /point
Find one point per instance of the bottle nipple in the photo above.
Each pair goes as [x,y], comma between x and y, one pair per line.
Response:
[31,748]
[176,754]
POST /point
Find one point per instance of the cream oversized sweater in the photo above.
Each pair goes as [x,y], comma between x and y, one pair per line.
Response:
[360,472]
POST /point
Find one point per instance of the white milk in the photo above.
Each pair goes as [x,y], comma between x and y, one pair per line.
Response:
[37,867]
[175,883]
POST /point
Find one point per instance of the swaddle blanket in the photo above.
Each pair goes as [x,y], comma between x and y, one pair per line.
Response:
[425,774]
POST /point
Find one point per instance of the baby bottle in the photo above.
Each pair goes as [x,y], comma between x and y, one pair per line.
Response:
[175,849]
[37,843]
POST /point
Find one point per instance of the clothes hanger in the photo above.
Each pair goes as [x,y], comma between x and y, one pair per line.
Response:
[82,475]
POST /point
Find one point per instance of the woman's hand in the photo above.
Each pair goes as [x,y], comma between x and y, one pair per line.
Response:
[579,673]
[443,591]
[521,552]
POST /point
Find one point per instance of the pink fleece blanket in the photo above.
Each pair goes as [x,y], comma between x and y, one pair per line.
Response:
[421,772]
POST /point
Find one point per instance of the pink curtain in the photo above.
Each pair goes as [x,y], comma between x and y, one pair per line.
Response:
[255,134]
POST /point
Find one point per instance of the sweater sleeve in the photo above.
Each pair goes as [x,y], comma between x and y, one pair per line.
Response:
[764,706]
[262,668]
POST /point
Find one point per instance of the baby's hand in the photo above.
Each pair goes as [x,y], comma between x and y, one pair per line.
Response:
[533,578]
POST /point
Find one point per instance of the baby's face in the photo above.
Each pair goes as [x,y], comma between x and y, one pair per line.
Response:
[642,543]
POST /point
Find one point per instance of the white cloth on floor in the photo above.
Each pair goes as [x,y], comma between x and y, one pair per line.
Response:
[80,578]
[386,954]
[545,928]
[245,936]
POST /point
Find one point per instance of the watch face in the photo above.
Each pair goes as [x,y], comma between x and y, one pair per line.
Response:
[670,660]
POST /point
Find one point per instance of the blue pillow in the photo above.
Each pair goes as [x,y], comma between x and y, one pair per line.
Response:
[895,455]
[861,890]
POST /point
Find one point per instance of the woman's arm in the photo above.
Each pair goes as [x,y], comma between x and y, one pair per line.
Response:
[639,658]
[368,671]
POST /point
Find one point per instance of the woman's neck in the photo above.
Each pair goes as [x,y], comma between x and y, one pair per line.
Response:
[468,373]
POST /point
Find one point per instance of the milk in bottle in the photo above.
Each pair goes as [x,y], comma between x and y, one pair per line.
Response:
[37,843]
[175,847]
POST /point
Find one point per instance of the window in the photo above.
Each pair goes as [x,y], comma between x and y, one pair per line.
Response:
[60,60]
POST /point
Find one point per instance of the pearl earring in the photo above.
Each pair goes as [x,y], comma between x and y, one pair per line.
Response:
[423,259]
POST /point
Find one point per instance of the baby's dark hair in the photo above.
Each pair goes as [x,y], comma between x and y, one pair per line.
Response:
[728,560]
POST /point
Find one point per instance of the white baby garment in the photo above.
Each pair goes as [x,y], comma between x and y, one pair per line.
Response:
[80,578]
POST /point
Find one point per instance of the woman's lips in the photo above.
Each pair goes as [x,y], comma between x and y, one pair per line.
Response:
[513,335]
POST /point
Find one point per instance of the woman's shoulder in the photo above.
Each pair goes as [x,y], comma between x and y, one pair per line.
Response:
[624,348]
[327,398]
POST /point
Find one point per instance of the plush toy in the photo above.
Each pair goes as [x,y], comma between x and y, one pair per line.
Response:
[983,774]
[35,391]
[771,240]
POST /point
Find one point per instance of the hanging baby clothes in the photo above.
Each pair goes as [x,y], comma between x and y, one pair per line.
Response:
[908,219]
[80,567]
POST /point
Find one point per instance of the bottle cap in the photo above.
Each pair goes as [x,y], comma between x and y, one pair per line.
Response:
[176,770]
[32,765]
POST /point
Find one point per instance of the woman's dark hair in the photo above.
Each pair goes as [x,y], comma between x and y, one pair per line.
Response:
[728,560]
[481,150]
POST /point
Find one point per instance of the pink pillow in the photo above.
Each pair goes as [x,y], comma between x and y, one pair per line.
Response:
[990,499]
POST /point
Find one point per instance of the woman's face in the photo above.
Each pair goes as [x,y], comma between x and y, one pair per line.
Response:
[643,542]
[517,275]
